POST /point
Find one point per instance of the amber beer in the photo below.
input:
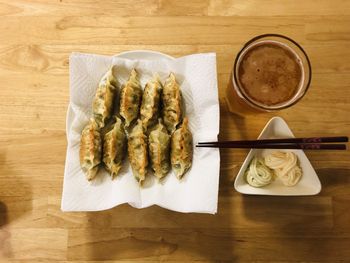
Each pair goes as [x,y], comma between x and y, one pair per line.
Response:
[270,73]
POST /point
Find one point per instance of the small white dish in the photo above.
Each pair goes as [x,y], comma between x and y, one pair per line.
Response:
[309,184]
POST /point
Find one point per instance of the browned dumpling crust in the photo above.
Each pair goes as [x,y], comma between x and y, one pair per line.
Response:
[90,150]
[114,148]
[159,150]
[137,152]
[181,149]
[130,98]
[102,105]
[150,102]
[171,99]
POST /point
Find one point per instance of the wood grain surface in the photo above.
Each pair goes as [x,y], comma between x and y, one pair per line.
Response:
[36,38]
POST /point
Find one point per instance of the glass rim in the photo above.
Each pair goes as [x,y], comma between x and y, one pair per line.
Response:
[236,83]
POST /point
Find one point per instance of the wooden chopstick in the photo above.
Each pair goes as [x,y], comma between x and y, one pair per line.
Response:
[302,146]
[284,140]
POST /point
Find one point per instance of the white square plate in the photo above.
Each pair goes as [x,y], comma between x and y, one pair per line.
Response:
[309,184]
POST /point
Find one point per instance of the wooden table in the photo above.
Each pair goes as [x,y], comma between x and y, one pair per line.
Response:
[36,39]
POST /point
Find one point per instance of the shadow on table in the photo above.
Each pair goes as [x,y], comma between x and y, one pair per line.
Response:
[294,226]
[286,213]
[335,180]
[3,214]
[157,233]
[14,196]
[4,234]
[235,123]
[154,233]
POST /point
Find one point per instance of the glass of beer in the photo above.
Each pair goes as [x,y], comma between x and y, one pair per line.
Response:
[270,73]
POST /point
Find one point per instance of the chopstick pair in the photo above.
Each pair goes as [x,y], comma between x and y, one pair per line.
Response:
[313,143]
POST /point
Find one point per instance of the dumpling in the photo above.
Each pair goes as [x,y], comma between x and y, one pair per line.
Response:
[102,105]
[159,150]
[130,98]
[90,150]
[181,149]
[137,152]
[150,102]
[171,99]
[114,148]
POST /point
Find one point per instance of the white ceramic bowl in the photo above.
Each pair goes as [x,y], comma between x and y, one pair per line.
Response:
[309,184]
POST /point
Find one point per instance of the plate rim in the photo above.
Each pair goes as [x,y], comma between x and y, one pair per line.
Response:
[126,54]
